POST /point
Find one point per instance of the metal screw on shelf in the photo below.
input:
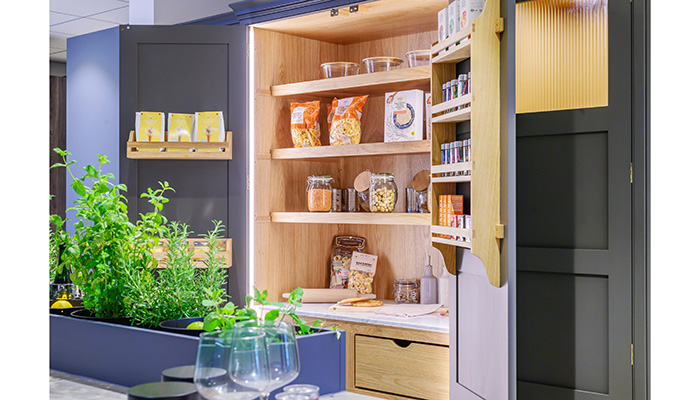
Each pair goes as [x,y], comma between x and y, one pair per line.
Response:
[354,9]
[334,12]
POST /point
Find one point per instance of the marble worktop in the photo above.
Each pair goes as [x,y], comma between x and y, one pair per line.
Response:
[430,322]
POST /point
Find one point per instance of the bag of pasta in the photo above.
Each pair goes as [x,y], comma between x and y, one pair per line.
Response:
[306,131]
[345,127]
[341,256]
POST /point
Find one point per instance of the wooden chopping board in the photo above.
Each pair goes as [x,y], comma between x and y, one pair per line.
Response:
[337,307]
[329,295]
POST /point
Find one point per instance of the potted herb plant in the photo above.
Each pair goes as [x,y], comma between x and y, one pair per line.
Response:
[179,291]
[106,248]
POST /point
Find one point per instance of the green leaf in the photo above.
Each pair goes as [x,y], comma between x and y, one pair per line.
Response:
[272,315]
[229,308]
[209,303]
[78,187]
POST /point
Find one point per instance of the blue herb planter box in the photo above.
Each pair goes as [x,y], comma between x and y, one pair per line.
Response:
[128,356]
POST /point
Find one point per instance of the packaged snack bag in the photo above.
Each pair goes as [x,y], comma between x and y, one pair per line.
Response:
[150,127]
[362,269]
[180,129]
[306,131]
[341,257]
[345,127]
[209,127]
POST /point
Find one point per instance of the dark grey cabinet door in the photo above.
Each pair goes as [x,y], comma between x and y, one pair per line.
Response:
[574,242]
[184,69]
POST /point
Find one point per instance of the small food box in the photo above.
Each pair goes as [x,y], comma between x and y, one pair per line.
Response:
[470,9]
[452,13]
[403,115]
[442,24]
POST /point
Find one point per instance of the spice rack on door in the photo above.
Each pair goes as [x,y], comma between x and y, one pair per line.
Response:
[481,44]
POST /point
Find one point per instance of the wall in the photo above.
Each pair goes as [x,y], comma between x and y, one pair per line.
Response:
[92,103]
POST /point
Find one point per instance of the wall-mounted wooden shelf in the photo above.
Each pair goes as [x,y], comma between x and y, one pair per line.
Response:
[455,52]
[224,246]
[374,83]
[223,149]
[353,150]
[356,218]
[462,115]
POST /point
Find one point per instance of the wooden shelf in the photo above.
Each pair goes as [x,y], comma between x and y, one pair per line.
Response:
[457,52]
[452,179]
[454,103]
[456,243]
[134,149]
[462,115]
[225,246]
[374,83]
[444,230]
[353,150]
[456,167]
[355,218]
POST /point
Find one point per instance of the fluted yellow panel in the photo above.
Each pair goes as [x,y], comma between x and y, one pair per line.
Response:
[561,52]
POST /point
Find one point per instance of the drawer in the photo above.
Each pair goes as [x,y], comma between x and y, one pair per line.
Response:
[402,367]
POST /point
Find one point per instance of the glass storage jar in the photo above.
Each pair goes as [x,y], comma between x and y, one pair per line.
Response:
[382,192]
[319,193]
[406,291]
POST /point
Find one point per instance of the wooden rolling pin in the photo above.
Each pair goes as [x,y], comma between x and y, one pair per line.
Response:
[329,295]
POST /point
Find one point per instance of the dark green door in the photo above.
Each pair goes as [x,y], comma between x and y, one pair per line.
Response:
[574,238]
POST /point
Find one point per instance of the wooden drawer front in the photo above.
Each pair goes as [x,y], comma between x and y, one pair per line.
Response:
[416,370]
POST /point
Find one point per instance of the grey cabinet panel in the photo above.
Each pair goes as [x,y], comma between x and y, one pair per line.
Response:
[185,69]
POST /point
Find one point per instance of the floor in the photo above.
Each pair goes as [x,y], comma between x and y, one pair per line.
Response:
[71,387]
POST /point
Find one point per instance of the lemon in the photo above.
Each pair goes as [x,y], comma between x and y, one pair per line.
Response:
[61,304]
[196,325]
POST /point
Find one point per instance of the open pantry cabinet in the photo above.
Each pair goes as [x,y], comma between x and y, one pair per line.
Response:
[292,247]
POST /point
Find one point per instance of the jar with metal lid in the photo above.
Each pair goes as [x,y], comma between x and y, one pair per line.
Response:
[406,291]
[319,193]
[382,192]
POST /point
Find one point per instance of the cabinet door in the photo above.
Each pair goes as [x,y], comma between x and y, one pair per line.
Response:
[185,69]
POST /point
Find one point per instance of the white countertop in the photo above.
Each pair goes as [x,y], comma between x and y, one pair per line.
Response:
[430,322]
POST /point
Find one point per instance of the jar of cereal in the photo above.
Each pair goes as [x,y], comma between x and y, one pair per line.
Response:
[382,192]
[318,192]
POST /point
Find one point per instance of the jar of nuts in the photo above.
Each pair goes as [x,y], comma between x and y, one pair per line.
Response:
[406,291]
[382,192]
[318,192]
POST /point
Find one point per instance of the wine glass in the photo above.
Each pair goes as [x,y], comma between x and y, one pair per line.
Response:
[215,355]
[282,351]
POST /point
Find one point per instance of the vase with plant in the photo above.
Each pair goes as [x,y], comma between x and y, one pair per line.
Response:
[106,248]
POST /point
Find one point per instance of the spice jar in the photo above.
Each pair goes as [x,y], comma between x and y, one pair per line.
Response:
[406,291]
[382,192]
[319,197]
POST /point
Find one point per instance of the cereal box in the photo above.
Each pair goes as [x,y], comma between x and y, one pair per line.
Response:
[403,115]
[150,127]
[209,127]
